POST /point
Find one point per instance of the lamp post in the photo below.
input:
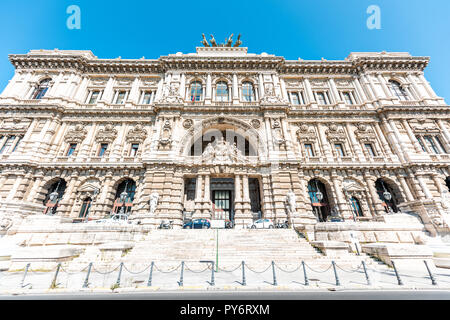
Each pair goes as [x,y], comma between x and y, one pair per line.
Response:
[386,195]
[123,198]
[319,196]
[53,197]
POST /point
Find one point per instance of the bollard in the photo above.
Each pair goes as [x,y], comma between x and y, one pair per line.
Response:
[25,274]
[120,273]
[433,280]
[400,283]
[304,274]
[338,283]
[212,273]
[149,283]
[53,284]
[86,281]
[180,283]
[366,273]
[274,276]
[244,283]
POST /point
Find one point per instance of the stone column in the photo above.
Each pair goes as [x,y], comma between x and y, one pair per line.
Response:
[412,137]
[424,187]
[198,197]
[207,197]
[446,134]
[405,187]
[235,89]
[246,195]
[238,195]
[393,139]
[335,93]
[309,93]
[356,146]
[325,145]
[376,201]
[341,200]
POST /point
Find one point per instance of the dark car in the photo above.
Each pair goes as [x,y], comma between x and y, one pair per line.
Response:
[197,224]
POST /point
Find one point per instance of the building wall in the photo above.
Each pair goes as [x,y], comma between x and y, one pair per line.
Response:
[276,125]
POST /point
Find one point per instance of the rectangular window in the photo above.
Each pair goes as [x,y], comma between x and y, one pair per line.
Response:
[321,98]
[431,144]
[134,149]
[309,150]
[339,149]
[421,143]
[71,150]
[295,98]
[17,143]
[120,99]
[369,149]
[146,97]
[94,97]
[7,144]
[102,150]
[347,98]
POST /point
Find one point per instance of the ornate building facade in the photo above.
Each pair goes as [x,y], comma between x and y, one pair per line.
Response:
[222,133]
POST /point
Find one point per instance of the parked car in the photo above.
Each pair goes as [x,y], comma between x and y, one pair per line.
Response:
[197,224]
[261,224]
[118,218]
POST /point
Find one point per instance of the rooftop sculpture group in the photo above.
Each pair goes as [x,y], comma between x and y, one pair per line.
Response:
[228,41]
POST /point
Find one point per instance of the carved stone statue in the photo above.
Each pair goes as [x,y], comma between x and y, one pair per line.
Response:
[238,42]
[204,41]
[291,202]
[222,152]
[229,42]
[153,202]
[213,41]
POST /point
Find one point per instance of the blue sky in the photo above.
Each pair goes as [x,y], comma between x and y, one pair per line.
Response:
[289,28]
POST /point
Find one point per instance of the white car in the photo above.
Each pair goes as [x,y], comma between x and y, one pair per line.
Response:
[117,218]
[261,224]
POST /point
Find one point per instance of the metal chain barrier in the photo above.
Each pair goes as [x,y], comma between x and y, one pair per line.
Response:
[351,271]
[187,268]
[105,273]
[132,272]
[239,266]
[167,271]
[270,265]
[71,273]
[319,271]
[287,270]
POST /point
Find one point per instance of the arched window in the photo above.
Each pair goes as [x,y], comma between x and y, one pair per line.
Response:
[319,199]
[356,207]
[248,93]
[387,195]
[41,89]
[54,196]
[196,91]
[222,91]
[398,91]
[124,200]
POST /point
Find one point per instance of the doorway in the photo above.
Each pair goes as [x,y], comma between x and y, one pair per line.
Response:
[222,198]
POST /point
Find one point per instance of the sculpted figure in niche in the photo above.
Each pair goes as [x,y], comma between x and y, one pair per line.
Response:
[291,202]
[153,202]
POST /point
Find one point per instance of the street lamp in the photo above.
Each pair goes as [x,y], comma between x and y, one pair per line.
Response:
[94,196]
[53,197]
[353,209]
[123,197]
[319,194]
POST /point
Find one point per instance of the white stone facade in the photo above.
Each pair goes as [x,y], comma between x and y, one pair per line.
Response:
[338,126]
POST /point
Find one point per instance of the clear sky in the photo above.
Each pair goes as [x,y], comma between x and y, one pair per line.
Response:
[290,28]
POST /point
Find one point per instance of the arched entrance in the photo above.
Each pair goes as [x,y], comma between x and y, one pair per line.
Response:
[123,200]
[85,207]
[319,199]
[388,195]
[447,182]
[54,195]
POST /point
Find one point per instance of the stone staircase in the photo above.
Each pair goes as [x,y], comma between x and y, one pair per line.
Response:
[258,248]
